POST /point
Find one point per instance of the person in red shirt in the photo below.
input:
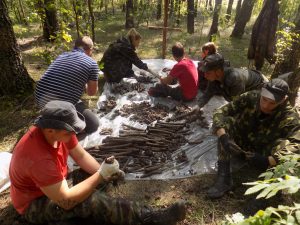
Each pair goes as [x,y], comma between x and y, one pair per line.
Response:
[38,170]
[184,72]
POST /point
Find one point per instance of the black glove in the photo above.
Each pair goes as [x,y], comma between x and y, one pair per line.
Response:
[224,140]
[259,161]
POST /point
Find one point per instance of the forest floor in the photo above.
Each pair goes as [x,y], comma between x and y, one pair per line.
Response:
[16,117]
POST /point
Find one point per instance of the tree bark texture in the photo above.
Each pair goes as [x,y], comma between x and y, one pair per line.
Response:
[158,9]
[15,80]
[129,14]
[214,26]
[75,9]
[190,16]
[50,22]
[263,38]
[90,6]
[242,20]
[23,13]
[237,10]
[229,9]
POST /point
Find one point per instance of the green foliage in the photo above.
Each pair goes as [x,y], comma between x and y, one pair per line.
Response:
[284,177]
[287,215]
[286,37]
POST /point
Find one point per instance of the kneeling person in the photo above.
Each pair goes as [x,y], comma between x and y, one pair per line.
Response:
[260,126]
[38,170]
[185,72]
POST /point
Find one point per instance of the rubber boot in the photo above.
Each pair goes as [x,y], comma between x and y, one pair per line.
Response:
[223,182]
[168,216]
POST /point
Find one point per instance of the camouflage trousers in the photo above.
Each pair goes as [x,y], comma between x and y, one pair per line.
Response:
[98,206]
[163,90]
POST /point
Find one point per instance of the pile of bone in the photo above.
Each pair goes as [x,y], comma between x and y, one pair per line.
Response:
[123,88]
[145,152]
[144,112]
[108,105]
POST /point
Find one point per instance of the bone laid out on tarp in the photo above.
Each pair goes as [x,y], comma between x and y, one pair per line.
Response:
[153,138]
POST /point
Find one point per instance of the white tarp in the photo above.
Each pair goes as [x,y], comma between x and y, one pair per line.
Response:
[5,158]
[201,157]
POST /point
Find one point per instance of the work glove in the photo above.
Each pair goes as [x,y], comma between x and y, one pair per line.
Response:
[224,140]
[110,170]
[259,161]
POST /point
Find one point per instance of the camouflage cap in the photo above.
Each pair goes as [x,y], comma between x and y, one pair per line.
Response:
[275,89]
[212,62]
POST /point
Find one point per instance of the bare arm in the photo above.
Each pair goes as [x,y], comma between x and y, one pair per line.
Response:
[92,87]
[167,80]
[84,159]
[67,197]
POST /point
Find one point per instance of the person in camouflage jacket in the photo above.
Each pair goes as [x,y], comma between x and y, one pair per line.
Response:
[227,81]
[260,126]
[117,60]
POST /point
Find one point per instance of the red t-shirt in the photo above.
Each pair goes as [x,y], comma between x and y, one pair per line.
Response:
[34,164]
[186,73]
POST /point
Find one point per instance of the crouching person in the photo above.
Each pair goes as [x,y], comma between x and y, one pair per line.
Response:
[260,126]
[38,170]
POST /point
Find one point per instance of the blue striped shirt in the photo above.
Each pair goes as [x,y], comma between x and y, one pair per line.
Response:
[66,78]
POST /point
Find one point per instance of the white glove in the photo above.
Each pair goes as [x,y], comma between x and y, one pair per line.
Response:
[109,168]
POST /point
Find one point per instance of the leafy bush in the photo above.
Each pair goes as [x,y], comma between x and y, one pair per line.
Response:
[284,177]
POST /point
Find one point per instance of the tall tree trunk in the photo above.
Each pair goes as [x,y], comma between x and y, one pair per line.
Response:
[50,22]
[158,9]
[210,5]
[23,13]
[129,14]
[113,6]
[237,10]
[263,37]
[106,6]
[196,8]
[177,9]
[90,6]
[214,26]
[15,80]
[74,4]
[229,9]
[190,16]
[242,20]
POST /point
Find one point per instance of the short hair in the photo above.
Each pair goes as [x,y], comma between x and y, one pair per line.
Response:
[178,50]
[210,46]
[84,42]
[133,34]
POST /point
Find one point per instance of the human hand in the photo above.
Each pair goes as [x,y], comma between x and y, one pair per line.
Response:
[257,160]
[109,168]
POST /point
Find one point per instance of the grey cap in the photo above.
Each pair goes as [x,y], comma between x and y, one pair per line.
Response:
[61,115]
[212,62]
[275,89]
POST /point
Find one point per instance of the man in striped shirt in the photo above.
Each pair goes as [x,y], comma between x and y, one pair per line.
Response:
[68,77]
